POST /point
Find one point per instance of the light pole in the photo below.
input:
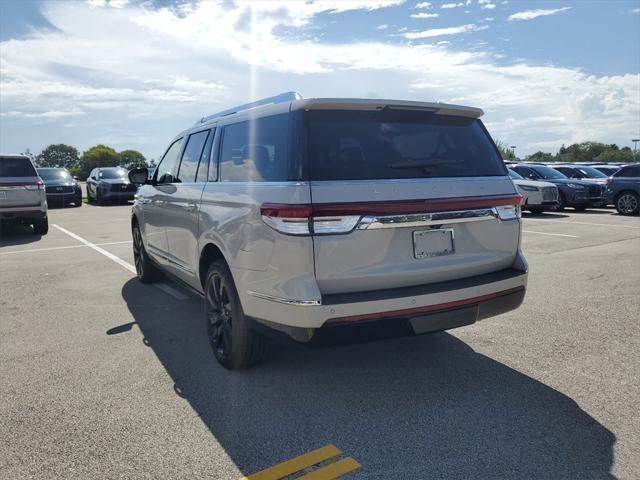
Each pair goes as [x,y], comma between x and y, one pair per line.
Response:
[513,150]
[635,148]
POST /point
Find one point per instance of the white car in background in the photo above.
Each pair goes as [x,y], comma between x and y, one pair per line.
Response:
[538,196]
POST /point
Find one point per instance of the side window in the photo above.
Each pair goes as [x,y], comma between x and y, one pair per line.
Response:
[255,150]
[167,167]
[206,165]
[628,172]
[191,156]
[524,171]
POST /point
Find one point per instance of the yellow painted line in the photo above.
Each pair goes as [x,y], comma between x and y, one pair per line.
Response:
[295,464]
[333,470]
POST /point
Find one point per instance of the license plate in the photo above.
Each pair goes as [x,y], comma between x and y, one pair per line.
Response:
[432,243]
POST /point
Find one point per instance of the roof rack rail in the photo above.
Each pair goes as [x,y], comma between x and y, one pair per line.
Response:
[281,98]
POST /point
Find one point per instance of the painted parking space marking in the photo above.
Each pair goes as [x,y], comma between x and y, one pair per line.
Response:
[96,246]
[306,460]
[98,249]
[552,234]
[33,250]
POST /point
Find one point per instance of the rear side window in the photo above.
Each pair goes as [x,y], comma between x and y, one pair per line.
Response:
[16,167]
[191,156]
[390,144]
[255,150]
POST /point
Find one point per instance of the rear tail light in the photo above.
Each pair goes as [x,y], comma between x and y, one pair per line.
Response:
[39,185]
[341,218]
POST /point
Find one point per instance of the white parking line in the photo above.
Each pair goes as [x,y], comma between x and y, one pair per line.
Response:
[552,234]
[583,223]
[165,288]
[109,255]
[60,248]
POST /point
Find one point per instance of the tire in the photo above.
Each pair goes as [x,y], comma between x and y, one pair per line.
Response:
[536,211]
[98,197]
[41,227]
[562,202]
[89,199]
[146,271]
[580,209]
[628,203]
[233,343]
[77,202]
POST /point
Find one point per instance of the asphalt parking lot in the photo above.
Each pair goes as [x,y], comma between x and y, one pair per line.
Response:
[103,377]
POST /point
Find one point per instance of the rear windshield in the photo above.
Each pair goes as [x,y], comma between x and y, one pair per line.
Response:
[549,173]
[391,144]
[16,167]
[590,172]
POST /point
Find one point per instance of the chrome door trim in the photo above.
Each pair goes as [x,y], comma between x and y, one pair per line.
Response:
[287,301]
[372,222]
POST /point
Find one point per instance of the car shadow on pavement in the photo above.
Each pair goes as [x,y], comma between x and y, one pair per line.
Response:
[407,408]
[14,234]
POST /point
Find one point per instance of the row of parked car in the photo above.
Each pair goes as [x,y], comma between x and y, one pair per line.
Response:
[554,186]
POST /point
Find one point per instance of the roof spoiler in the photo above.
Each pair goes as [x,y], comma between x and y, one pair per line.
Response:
[281,98]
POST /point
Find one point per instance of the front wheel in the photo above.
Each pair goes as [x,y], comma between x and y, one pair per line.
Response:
[147,272]
[98,197]
[628,203]
[234,344]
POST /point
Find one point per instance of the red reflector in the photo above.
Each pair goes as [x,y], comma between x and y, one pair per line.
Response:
[285,210]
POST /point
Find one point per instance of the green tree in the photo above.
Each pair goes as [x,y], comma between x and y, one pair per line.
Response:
[98,156]
[540,156]
[132,158]
[58,155]
[505,152]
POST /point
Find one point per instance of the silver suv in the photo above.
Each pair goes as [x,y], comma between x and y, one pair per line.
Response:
[301,216]
[22,195]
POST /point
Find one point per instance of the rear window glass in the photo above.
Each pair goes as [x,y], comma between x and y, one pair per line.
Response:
[16,167]
[390,144]
[628,172]
[255,150]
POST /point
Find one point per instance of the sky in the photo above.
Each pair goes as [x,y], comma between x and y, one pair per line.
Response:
[134,73]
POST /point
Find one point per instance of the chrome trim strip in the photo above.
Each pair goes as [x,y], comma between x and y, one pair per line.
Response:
[371,222]
[287,301]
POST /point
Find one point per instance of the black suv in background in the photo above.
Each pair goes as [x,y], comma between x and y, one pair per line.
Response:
[579,194]
[60,186]
[109,183]
[623,190]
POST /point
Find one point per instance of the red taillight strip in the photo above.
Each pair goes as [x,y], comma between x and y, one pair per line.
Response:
[388,207]
[418,310]
[21,184]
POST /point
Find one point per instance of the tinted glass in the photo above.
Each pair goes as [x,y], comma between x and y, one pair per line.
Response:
[388,144]
[607,170]
[191,156]
[514,175]
[569,172]
[203,169]
[628,172]
[16,167]
[548,173]
[591,172]
[167,168]
[255,151]
[54,174]
[112,173]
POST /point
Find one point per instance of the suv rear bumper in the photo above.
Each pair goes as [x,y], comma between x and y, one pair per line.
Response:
[16,213]
[438,306]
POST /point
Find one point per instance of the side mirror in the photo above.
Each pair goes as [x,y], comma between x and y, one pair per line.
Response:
[139,176]
[75,177]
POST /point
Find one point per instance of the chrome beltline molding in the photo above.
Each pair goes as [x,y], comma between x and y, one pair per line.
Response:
[371,222]
[287,301]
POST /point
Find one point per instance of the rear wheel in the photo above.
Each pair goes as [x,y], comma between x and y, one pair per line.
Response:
[536,211]
[147,272]
[41,227]
[234,344]
[627,203]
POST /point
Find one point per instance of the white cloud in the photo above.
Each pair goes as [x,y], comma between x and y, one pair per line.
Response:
[635,10]
[452,5]
[178,66]
[423,5]
[489,6]
[424,15]
[531,14]
[438,32]
[384,26]
[488,19]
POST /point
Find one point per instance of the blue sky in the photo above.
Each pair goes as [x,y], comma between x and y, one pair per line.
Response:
[132,73]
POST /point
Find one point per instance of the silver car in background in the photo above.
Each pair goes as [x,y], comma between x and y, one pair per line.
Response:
[312,216]
[22,194]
